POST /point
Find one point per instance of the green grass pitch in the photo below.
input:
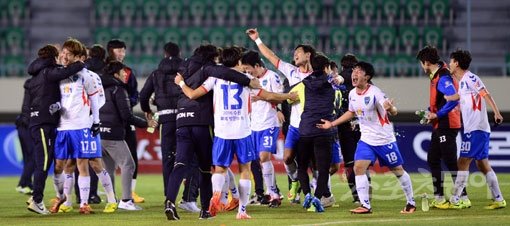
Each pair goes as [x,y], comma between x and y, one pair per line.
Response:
[387,202]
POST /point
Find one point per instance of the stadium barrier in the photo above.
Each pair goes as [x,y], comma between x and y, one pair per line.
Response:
[413,140]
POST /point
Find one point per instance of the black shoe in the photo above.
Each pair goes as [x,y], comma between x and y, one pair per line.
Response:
[204,215]
[94,199]
[170,211]
[265,199]
[275,203]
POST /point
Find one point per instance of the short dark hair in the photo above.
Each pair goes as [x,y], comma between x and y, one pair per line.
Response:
[319,62]
[231,56]
[307,49]
[208,52]
[172,49]
[97,51]
[332,64]
[368,68]
[252,58]
[463,57]
[113,67]
[428,53]
[115,44]
[348,60]
[48,51]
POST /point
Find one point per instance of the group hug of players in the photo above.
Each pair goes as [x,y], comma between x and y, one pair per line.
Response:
[77,114]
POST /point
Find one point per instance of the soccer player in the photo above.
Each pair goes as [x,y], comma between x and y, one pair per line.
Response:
[78,132]
[115,114]
[378,141]
[232,128]
[117,52]
[194,121]
[25,185]
[445,120]
[44,116]
[264,122]
[166,95]
[294,74]
[476,134]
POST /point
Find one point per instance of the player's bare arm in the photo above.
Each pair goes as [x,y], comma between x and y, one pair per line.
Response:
[344,118]
[266,51]
[189,92]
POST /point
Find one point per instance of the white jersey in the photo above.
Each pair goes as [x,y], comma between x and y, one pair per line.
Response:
[232,108]
[376,129]
[472,105]
[76,92]
[264,113]
[294,75]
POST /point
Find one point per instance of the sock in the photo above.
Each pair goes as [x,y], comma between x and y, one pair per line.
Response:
[58,184]
[439,198]
[244,194]
[232,184]
[218,180]
[84,185]
[133,185]
[460,184]
[268,175]
[224,191]
[106,181]
[329,183]
[313,183]
[362,187]
[407,187]
[68,188]
[292,170]
[492,182]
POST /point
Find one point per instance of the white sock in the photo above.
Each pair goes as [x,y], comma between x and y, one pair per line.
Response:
[492,182]
[58,184]
[268,175]
[407,187]
[232,184]
[292,170]
[460,184]
[329,183]
[84,185]
[244,194]
[218,180]
[133,185]
[313,183]
[224,191]
[362,187]
[106,181]
[68,188]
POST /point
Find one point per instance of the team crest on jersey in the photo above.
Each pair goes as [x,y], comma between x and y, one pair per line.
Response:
[68,89]
[461,85]
[264,82]
[367,100]
[75,78]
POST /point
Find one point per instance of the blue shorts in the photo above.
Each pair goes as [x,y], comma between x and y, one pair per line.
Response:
[265,140]
[475,145]
[223,151]
[335,152]
[77,144]
[388,155]
[292,138]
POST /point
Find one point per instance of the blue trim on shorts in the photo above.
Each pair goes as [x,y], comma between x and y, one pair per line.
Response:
[388,155]
[223,151]
[265,140]
[475,145]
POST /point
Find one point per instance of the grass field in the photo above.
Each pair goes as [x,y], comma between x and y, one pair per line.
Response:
[387,201]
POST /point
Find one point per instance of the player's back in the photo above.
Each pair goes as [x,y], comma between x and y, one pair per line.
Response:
[232,107]
[75,91]
[472,105]
[376,129]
